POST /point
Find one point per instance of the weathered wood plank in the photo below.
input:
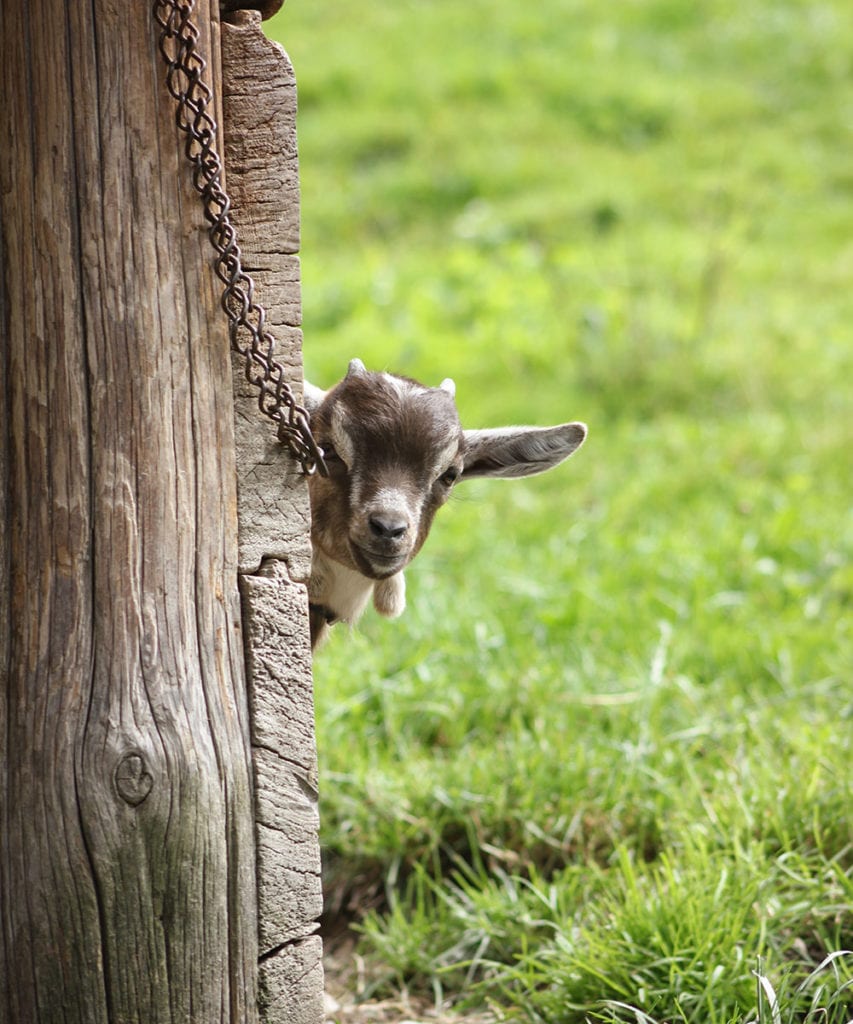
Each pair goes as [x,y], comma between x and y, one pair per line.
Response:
[259,102]
[293,977]
[279,669]
[127,859]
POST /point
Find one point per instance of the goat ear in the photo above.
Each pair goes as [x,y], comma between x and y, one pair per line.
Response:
[312,397]
[519,451]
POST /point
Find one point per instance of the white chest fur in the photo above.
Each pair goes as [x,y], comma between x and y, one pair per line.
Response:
[346,592]
[343,591]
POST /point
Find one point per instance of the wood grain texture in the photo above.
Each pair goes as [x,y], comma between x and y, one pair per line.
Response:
[259,102]
[259,105]
[127,859]
[292,977]
[279,670]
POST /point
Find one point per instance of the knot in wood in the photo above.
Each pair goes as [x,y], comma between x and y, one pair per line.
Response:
[133,781]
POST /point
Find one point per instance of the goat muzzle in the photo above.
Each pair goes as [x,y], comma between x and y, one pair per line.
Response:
[380,559]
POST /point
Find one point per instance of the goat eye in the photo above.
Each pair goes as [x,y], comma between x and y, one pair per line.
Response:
[330,456]
[449,476]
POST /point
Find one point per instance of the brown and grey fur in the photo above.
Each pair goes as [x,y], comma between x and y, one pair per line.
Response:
[395,449]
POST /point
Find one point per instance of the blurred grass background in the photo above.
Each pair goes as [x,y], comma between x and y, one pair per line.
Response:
[601,769]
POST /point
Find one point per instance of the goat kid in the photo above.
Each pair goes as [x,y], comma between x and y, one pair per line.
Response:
[395,449]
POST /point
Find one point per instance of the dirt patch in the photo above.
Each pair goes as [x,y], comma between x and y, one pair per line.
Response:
[347,984]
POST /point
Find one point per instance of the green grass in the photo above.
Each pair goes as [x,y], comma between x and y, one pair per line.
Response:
[602,769]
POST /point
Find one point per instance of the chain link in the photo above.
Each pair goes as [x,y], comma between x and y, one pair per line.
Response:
[246,318]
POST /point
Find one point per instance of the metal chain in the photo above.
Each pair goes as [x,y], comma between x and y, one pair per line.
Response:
[246,318]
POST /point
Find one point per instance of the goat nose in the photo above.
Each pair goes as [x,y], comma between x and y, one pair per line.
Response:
[387,527]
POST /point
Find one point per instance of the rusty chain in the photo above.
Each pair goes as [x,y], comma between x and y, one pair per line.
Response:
[178,43]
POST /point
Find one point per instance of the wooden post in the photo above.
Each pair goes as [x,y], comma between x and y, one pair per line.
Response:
[259,105]
[127,853]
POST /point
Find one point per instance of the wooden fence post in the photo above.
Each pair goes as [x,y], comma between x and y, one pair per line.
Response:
[127,840]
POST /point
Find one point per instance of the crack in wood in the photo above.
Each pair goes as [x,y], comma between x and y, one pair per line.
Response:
[289,944]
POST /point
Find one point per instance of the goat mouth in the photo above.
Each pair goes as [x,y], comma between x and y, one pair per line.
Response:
[378,565]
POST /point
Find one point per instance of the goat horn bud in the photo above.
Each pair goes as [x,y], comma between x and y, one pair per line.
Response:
[356,367]
[449,385]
